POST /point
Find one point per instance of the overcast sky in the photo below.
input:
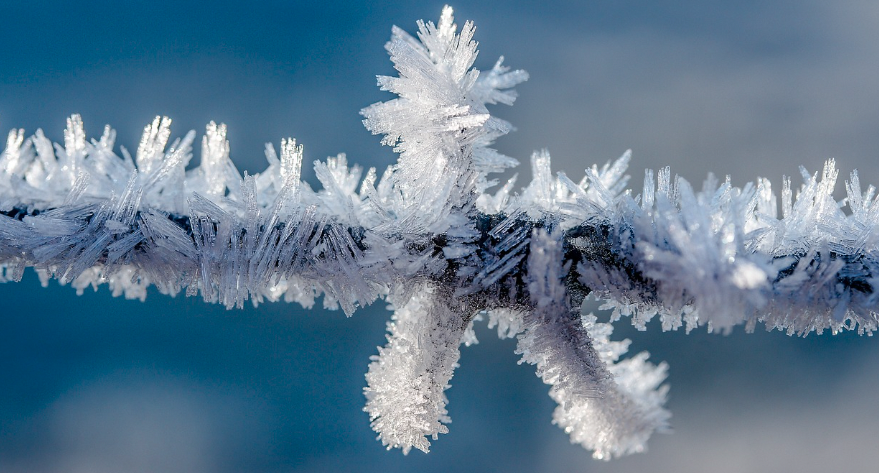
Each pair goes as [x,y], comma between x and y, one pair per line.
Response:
[749,88]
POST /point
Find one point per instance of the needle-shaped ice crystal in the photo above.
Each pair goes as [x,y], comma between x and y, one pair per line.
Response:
[428,237]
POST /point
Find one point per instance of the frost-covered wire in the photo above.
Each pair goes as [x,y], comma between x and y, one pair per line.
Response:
[431,240]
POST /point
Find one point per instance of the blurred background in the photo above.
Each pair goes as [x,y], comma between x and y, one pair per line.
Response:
[750,88]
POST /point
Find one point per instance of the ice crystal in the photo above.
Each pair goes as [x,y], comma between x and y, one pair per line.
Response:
[430,239]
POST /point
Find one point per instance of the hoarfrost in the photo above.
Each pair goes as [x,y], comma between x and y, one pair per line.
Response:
[428,238]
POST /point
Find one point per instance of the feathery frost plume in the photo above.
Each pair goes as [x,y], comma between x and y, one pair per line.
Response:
[428,238]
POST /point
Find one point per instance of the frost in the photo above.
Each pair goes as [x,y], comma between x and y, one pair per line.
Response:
[428,237]
[439,123]
[607,406]
[405,398]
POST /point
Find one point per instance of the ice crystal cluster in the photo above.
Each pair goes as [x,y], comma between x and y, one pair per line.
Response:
[430,239]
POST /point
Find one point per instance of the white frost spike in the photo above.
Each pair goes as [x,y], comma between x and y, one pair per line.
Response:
[701,243]
[151,149]
[608,407]
[621,421]
[282,178]
[216,173]
[440,124]
[70,157]
[291,161]
[405,395]
[9,163]
[540,195]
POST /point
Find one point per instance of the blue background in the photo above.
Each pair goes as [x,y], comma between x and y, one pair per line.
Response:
[93,383]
